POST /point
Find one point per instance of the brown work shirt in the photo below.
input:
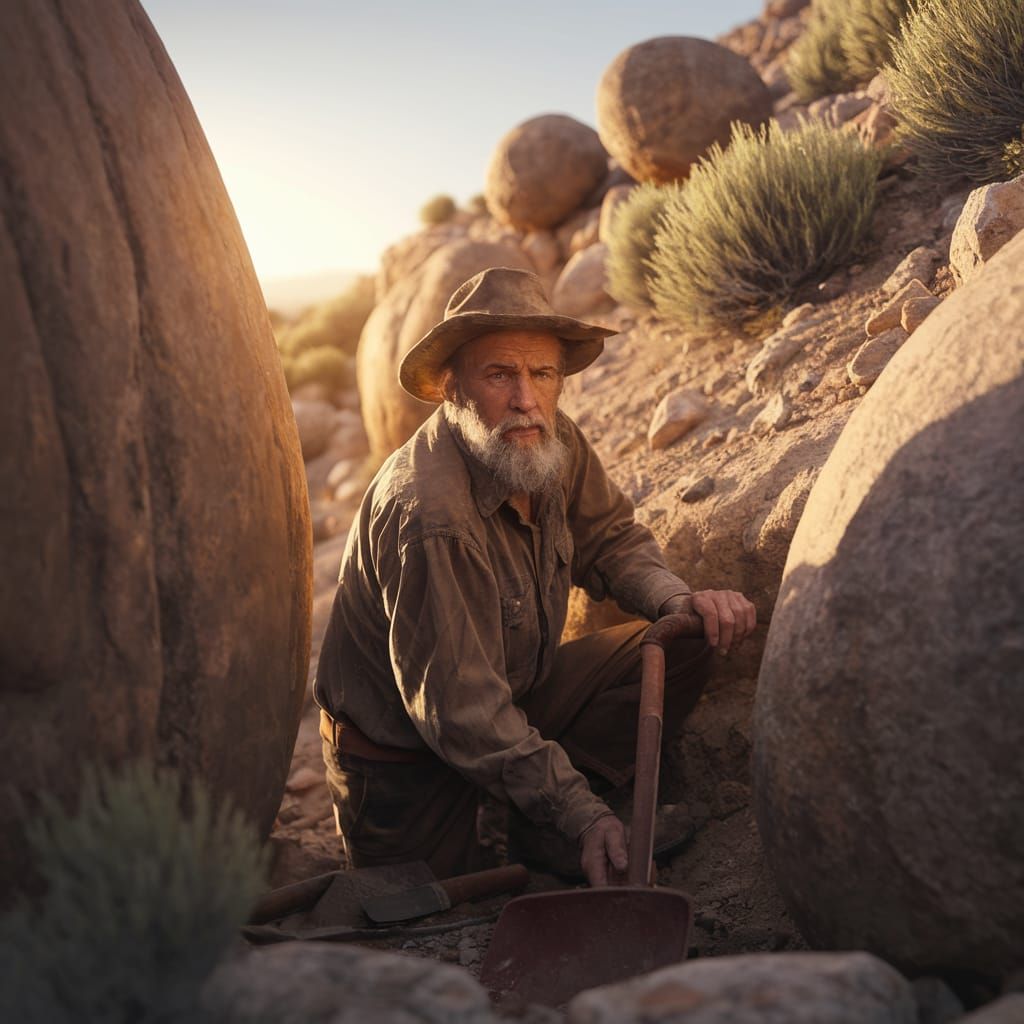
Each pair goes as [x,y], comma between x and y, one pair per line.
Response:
[450,606]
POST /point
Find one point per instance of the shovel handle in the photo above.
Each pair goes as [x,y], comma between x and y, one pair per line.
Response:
[485,883]
[648,737]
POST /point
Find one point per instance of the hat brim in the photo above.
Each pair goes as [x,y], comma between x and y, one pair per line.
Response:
[420,371]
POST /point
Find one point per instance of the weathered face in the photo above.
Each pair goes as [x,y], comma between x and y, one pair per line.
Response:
[513,375]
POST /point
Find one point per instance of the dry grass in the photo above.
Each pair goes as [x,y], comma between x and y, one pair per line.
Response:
[757,220]
[957,85]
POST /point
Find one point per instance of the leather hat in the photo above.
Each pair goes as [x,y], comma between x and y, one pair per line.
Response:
[497,299]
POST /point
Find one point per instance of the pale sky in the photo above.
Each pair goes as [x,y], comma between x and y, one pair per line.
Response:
[334,121]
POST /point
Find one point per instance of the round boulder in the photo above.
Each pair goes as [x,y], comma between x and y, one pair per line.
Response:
[889,722]
[154,525]
[406,313]
[663,102]
[543,170]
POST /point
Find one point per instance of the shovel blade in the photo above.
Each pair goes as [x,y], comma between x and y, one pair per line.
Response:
[550,946]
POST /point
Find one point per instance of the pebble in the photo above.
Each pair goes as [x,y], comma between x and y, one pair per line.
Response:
[920,263]
[873,356]
[697,490]
[889,315]
[716,437]
[916,311]
[676,415]
[774,416]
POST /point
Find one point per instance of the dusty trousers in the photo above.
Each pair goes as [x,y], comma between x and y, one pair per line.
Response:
[392,812]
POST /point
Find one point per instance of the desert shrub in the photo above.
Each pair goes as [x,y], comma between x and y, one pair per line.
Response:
[337,323]
[816,64]
[755,221]
[437,210]
[477,205]
[868,29]
[142,899]
[630,241]
[325,365]
[957,88]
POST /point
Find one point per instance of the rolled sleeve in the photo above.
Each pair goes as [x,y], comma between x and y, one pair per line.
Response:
[447,655]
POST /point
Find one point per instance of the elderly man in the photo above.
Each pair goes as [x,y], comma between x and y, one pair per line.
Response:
[441,677]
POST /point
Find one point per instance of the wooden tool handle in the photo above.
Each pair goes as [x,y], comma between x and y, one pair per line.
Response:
[485,883]
[290,899]
[648,737]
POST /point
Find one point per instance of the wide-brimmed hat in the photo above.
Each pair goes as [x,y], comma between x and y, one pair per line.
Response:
[497,299]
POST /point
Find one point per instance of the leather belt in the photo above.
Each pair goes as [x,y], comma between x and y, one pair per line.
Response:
[349,739]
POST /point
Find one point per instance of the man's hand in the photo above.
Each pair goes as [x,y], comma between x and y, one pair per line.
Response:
[728,616]
[603,848]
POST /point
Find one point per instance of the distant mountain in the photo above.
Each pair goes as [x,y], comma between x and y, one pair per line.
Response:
[290,295]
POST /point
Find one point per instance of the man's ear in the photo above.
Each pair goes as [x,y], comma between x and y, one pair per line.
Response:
[448,385]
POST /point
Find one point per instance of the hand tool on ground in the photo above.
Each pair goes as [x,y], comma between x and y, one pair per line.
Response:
[335,899]
[439,896]
[549,946]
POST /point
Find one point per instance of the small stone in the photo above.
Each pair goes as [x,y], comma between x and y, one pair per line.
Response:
[808,382]
[734,432]
[798,313]
[992,215]
[697,490]
[920,263]
[303,779]
[878,88]
[848,393]
[888,316]
[774,416]
[677,414]
[613,199]
[325,526]
[873,356]
[580,288]
[716,437]
[848,106]
[585,237]
[915,311]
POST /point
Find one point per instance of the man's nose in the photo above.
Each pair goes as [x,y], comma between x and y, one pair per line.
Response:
[524,395]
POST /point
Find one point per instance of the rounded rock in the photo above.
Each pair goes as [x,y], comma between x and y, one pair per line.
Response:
[663,102]
[888,721]
[154,527]
[543,170]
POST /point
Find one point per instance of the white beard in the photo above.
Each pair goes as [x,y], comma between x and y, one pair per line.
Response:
[530,469]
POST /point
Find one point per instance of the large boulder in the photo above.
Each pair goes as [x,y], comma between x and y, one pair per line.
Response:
[405,314]
[889,723]
[663,102]
[543,170]
[154,528]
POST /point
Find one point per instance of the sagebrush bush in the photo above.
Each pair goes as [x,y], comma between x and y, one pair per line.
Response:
[755,221]
[957,88]
[816,64]
[437,210]
[477,205]
[326,366]
[630,241]
[867,32]
[337,323]
[142,899]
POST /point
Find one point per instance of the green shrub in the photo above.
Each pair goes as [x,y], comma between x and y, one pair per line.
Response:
[630,241]
[816,64]
[868,30]
[337,323]
[755,221]
[957,85]
[142,900]
[326,366]
[437,210]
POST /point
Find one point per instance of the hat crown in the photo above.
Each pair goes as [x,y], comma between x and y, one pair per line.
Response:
[500,290]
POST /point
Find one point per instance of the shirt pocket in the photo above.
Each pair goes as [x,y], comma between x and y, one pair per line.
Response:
[520,631]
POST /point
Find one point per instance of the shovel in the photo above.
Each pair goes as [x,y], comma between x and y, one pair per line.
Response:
[549,946]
